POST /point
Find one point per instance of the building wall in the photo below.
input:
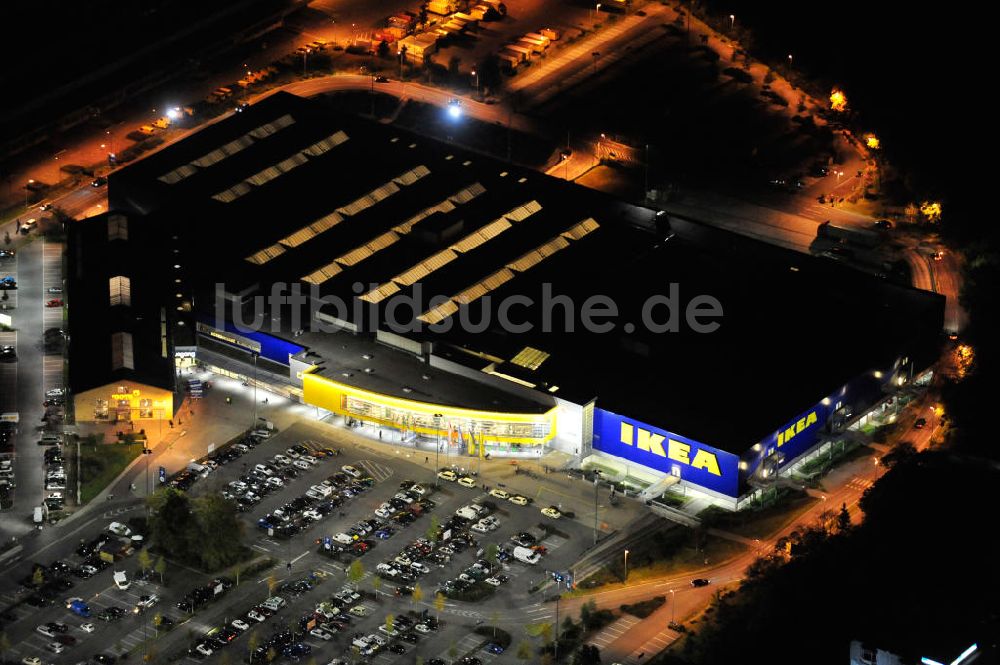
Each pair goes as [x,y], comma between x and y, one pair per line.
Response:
[125,401]
[431,420]
[665,452]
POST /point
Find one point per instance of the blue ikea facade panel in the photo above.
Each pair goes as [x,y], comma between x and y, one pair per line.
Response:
[669,453]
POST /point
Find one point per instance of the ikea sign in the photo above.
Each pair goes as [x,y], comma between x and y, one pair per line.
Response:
[666,452]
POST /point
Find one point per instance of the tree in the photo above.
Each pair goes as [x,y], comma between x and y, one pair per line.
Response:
[37,578]
[453,650]
[157,621]
[4,645]
[418,593]
[525,651]
[490,554]
[218,532]
[439,604]
[434,530]
[356,572]
[545,630]
[170,523]
[588,654]
[587,613]
[390,621]
[252,643]
[383,49]
[272,584]
[160,568]
[843,518]
[377,585]
[145,560]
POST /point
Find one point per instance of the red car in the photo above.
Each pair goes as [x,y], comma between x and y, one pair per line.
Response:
[55,302]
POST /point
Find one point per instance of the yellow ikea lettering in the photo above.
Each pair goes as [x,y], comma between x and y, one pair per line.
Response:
[650,442]
[679,451]
[626,434]
[707,461]
[799,426]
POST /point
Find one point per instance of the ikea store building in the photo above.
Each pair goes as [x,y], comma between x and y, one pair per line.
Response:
[450,301]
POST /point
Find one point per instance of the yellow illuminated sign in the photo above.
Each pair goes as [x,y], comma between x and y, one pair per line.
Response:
[126,396]
[332,395]
[678,451]
[798,426]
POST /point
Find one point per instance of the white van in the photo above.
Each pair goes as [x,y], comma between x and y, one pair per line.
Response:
[467,512]
[526,555]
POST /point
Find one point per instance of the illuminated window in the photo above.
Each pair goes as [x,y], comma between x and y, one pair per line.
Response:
[101,411]
[146,408]
[121,290]
[121,351]
[117,227]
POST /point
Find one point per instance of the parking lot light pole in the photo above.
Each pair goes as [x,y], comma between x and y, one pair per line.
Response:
[437,446]
[626,566]
[597,480]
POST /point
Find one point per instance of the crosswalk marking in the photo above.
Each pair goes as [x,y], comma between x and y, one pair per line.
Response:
[613,631]
[377,471]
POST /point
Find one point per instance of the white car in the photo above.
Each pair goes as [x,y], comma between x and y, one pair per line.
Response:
[87,627]
[405,498]
[46,631]
[309,459]
[282,460]
[203,649]
[55,647]
[420,568]
[479,527]
[448,475]
[312,515]
[499,493]
[119,529]
[291,453]
[274,481]
[31,660]
[351,471]
[145,602]
[518,500]
[467,481]
[422,628]
[360,611]
[492,581]
[383,511]
[302,464]
[551,512]
[254,615]
[263,469]
[321,634]
[240,625]
[419,489]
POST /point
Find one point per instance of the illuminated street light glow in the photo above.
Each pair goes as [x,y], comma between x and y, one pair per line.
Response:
[931,210]
[872,142]
[174,113]
[838,101]
[454,109]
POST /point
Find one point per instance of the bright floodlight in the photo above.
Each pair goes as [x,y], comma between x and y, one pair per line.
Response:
[454,110]
[174,113]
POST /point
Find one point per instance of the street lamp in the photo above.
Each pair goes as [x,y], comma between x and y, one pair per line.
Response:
[27,191]
[626,566]
[475,74]
[732,22]
[597,480]
[437,445]
[672,605]
[875,459]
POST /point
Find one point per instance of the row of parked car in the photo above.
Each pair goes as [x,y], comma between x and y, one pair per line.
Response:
[317,502]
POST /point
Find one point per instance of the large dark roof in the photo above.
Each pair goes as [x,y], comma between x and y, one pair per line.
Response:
[93,260]
[463,226]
